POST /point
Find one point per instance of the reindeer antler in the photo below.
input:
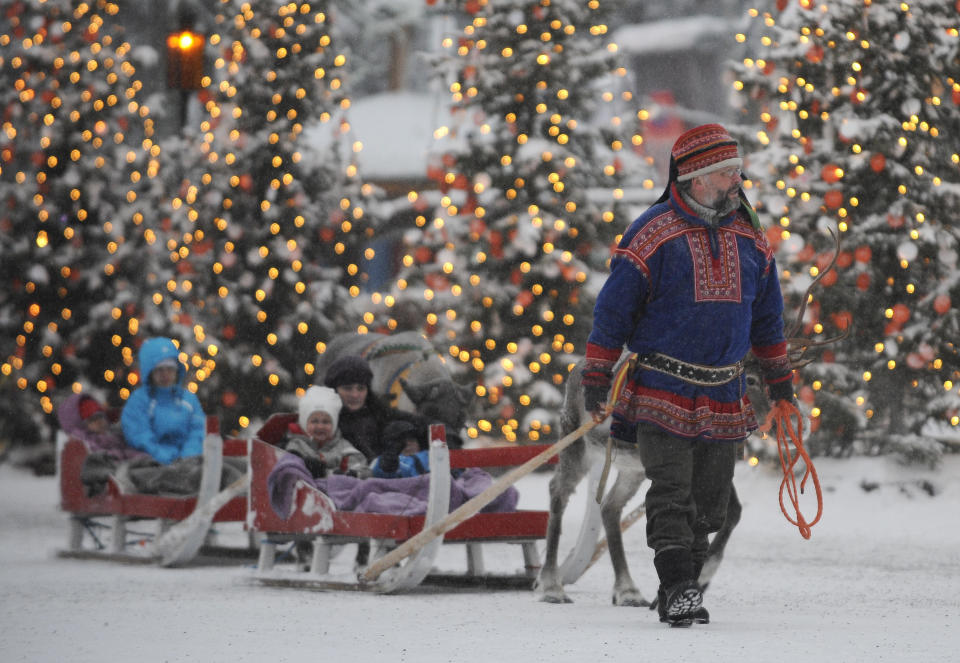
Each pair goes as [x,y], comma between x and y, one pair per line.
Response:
[798,345]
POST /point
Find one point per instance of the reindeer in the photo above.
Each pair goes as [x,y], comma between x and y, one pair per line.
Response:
[408,373]
[579,457]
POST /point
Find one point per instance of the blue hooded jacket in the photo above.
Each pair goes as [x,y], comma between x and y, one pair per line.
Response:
[168,423]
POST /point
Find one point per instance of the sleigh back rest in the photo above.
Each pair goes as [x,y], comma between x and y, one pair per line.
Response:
[275,428]
[72,492]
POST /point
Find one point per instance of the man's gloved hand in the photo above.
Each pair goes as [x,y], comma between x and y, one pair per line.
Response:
[596,384]
[781,391]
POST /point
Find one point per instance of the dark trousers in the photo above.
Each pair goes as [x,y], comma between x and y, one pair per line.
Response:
[687,500]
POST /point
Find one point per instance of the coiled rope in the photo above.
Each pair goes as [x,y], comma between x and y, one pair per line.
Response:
[782,413]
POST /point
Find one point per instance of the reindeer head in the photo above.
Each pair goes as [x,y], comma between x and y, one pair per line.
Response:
[440,400]
[798,347]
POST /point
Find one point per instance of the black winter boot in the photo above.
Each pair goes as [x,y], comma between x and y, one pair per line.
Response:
[682,604]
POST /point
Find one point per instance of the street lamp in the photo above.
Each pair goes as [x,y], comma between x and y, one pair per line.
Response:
[185,64]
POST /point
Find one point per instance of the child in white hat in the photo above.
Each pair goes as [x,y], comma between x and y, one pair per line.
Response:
[318,440]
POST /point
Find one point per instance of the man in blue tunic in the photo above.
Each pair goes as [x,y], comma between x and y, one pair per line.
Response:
[692,288]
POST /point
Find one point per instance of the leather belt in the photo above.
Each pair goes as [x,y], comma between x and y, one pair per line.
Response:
[709,376]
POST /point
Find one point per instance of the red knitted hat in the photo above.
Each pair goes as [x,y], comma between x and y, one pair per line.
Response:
[89,407]
[703,150]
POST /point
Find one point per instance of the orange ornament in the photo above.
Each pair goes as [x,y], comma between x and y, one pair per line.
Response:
[878,162]
[833,198]
[941,304]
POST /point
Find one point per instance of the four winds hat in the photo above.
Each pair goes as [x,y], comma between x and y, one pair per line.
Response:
[702,150]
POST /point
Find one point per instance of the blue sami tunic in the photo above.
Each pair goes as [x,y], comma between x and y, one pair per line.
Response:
[699,293]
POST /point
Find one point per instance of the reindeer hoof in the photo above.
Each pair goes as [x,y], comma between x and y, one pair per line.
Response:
[632,599]
[555,598]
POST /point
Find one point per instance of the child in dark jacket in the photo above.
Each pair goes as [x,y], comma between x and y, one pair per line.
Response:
[406,453]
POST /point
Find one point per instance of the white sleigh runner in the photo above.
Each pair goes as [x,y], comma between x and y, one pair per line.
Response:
[315,519]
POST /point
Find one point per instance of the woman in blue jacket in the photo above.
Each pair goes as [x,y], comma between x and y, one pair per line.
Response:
[162,417]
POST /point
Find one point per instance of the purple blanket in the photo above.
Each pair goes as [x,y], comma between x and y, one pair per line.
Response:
[404,497]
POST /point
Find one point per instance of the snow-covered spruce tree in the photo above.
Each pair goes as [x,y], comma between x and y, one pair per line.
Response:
[270,227]
[861,106]
[77,167]
[503,275]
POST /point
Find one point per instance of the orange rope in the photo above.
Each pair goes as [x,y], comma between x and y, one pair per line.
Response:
[781,413]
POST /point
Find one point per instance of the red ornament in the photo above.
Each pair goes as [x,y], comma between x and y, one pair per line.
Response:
[900,313]
[844,260]
[895,220]
[806,395]
[833,198]
[841,319]
[863,281]
[525,298]
[229,398]
[878,162]
[941,303]
[829,278]
[956,95]
[831,173]
[781,5]
[863,254]
[815,53]
[423,255]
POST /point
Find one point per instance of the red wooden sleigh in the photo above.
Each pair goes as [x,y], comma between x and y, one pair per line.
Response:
[99,523]
[315,519]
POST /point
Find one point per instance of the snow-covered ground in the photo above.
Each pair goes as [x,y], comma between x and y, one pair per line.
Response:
[879,580]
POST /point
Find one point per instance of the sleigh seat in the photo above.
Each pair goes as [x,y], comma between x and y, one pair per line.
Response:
[99,525]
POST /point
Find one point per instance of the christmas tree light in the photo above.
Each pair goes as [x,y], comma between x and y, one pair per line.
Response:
[504,271]
[858,101]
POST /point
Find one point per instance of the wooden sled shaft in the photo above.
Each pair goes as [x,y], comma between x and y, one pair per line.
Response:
[473,505]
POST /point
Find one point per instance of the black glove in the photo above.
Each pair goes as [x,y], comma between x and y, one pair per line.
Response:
[315,466]
[781,391]
[389,461]
[596,384]
[594,397]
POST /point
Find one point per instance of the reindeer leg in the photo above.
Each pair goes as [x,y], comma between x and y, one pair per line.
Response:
[625,592]
[570,470]
[719,542]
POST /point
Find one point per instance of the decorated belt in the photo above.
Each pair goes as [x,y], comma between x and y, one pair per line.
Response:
[709,376]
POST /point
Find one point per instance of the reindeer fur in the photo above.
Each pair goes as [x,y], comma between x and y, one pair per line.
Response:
[409,360]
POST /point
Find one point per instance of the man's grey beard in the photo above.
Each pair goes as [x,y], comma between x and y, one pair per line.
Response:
[724,205]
